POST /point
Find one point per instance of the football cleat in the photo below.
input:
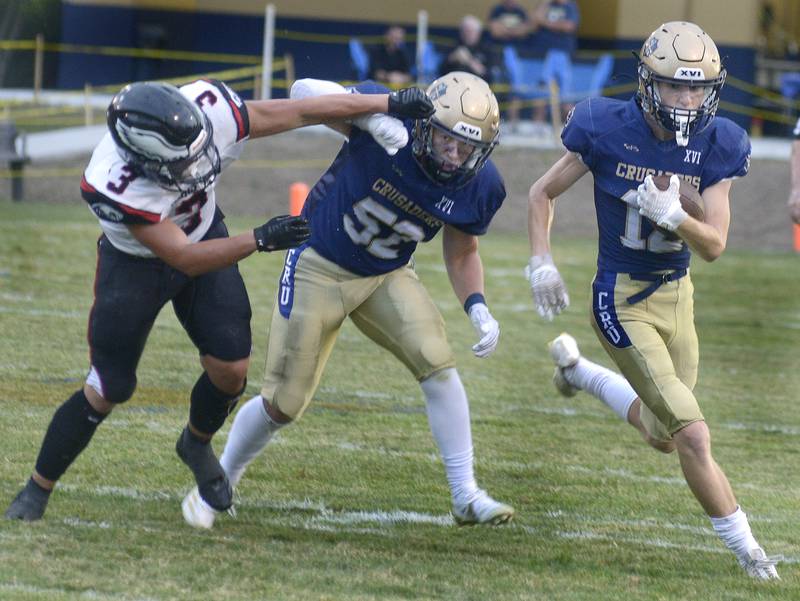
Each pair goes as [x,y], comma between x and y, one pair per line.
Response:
[564,352]
[197,512]
[758,565]
[482,509]
[29,504]
[212,484]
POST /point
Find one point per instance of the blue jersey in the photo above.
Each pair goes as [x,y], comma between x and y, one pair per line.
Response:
[369,211]
[618,146]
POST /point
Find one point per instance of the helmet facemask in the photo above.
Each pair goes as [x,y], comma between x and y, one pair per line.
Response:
[438,167]
[682,121]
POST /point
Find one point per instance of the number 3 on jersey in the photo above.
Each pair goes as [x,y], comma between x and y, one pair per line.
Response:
[370,216]
[656,242]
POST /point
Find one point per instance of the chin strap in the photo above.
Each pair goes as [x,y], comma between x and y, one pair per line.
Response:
[682,133]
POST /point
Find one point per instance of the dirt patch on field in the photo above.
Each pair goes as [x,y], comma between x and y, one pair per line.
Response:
[258,185]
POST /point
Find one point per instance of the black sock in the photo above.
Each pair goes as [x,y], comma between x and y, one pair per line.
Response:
[70,430]
[210,405]
[37,491]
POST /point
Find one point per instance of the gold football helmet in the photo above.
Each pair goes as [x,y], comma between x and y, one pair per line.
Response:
[680,54]
[467,110]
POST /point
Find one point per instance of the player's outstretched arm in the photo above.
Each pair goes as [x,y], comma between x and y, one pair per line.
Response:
[547,287]
[387,130]
[269,117]
[170,244]
[465,269]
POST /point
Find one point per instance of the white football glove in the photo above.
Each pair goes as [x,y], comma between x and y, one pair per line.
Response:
[662,207]
[548,289]
[388,131]
[487,328]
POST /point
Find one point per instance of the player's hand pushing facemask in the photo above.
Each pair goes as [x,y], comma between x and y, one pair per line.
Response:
[548,289]
[487,328]
[662,206]
[390,132]
[410,103]
[282,232]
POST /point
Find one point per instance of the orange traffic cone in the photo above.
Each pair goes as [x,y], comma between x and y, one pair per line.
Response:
[298,192]
[796,227]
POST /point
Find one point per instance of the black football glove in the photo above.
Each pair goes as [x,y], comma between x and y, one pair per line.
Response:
[412,103]
[282,232]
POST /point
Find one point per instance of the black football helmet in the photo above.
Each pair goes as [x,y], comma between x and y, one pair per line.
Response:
[164,135]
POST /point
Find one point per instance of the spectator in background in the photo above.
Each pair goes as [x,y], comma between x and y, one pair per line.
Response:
[471,55]
[389,62]
[556,26]
[509,24]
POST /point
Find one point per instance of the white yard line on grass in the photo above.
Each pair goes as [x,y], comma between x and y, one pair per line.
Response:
[324,519]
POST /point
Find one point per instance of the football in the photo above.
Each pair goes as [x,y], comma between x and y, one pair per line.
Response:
[691,201]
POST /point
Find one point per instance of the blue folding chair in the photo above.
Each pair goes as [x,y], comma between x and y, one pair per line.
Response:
[589,79]
[526,75]
[359,57]
[558,68]
[428,67]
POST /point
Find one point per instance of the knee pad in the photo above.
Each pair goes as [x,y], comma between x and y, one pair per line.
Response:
[434,355]
[210,406]
[112,386]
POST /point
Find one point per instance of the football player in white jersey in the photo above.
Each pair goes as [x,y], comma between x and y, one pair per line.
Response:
[151,182]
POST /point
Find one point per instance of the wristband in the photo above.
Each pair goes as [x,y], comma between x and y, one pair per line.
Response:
[473,299]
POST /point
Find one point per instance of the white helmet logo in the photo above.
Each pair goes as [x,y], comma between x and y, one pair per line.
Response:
[149,143]
[468,131]
[689,73]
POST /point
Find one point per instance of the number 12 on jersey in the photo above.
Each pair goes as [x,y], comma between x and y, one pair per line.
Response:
[656,242]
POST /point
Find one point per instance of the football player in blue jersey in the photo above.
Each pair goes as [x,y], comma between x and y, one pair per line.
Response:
[151,183]
[642,307]
[367,213]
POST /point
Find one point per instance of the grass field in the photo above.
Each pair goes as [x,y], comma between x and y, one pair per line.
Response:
[351,503]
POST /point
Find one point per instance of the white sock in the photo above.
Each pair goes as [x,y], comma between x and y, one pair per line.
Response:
[251,431]
[734,530]
[608,386]
[448,416]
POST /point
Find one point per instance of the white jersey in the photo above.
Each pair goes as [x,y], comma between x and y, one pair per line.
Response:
[120,197]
